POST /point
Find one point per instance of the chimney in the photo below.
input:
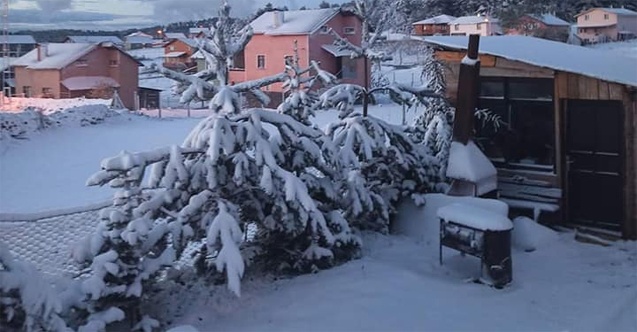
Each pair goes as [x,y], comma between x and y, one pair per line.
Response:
[43,51]
[279,18]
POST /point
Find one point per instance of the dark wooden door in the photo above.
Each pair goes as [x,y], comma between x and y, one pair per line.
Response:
[594,162]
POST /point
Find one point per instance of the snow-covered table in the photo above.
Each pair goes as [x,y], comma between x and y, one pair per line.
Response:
[481,233]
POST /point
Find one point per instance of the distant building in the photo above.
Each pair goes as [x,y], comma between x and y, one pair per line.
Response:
[479,25]
[20,45]
[198,32]
[275,34]
[546,26]
[94,39]
[606,24]
[438,25]
[174,35]
[138,40]
[178,52]
[69,70]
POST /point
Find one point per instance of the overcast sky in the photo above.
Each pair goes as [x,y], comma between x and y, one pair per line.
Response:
[117,14]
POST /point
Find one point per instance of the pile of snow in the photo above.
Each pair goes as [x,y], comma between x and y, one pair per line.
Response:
[48,105]
[528,235]
[23,124]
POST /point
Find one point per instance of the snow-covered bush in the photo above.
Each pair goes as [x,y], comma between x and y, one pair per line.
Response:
[27,301]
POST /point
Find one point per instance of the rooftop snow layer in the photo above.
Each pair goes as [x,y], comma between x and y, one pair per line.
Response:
[549,19]
[473,20]
[20,39]
[440,19]
[94,39]
[618,11]
[58,55]
[550,54]
[294,22]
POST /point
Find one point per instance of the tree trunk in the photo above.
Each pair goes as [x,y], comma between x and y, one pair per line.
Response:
[365,95]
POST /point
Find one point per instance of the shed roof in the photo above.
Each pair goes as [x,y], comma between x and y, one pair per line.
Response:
[554,55]
[58,55]
[549,19]
[295,22]
[440,19]
[20,39]
[94,39]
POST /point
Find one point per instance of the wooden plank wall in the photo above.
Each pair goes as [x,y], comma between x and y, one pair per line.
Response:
[573,86]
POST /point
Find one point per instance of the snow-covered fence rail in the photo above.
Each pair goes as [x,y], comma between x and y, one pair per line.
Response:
[47,239]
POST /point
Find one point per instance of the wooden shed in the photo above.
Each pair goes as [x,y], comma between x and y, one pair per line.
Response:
[565,147]
[149,98]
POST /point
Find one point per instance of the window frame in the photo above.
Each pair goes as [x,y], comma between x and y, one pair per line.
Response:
[349,30]
[511,105]
[478,26]
[259,58]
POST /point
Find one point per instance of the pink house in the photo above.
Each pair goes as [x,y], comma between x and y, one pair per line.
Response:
[274,36]
[606,24]
[69,70]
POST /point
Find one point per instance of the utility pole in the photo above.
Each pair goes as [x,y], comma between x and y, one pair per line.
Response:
[6,61]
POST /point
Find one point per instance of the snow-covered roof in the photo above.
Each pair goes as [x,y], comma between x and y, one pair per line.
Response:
[174,54]
[618,11]
[440,19]
[467,162]
[198,30]
[549,19]
[334,50]
[20,39]
[188,41]
[139,34]
[88,82]
[197,55]
[175,35]
[139,40]
[58,55]
[550,54]
[94,39]
[473,20]
[294,22]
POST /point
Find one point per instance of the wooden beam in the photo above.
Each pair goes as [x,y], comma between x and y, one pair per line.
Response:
[573,86]
[521,66]
[615,91]
[603,90]
[509,72]
[629,229]
[456,57]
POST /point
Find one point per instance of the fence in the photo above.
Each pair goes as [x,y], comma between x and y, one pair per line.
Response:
[47,239]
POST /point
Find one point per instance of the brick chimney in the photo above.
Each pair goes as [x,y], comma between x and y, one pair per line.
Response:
[279,18]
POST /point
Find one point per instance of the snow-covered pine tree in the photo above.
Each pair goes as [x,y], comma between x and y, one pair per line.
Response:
[129,246]
[28,302]
[434,127]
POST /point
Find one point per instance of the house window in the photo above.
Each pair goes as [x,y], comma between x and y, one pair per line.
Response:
[324,30]
[113,63]
[526,136]
[478,26]
[349,30]
[586,17]
[261,61]
[26,90]
[456,27]
[288,60]
[47,92]
[171,48]
[81,62]
[605,16]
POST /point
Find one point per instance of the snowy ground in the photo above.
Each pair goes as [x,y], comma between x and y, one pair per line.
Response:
[399,285]
[17,104]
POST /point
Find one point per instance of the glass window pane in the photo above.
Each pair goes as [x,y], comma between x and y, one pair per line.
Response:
[531,89]
[533,126]
[492,89]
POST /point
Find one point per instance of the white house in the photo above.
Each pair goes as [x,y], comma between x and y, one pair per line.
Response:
[480,25]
